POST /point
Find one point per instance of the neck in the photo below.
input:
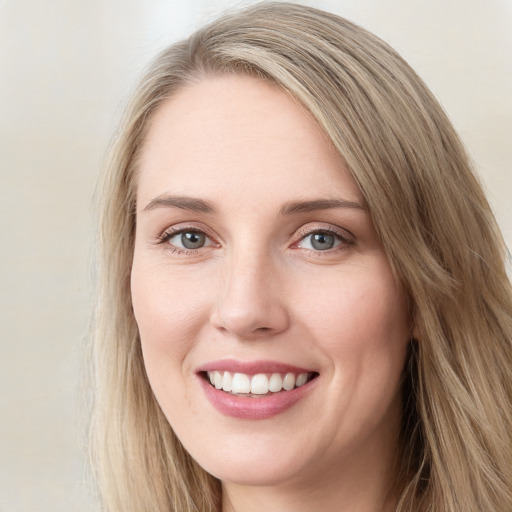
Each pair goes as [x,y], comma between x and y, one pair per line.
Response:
[327,499]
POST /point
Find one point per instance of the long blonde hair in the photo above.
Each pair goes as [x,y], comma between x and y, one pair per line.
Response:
[435,226]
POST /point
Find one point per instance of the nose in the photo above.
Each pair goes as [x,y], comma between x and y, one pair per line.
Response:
[251,301]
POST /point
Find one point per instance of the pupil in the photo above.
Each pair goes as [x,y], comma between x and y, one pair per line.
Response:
[192,240]
[322,241]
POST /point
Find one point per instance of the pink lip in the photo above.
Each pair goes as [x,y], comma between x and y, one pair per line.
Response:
[252,408]
[250,367]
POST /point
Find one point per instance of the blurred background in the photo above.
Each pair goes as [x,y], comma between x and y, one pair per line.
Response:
[66,69]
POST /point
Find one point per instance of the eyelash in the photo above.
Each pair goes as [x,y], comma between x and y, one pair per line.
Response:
[173,231]
[346,240]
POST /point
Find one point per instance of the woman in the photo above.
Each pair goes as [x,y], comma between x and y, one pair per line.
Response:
[303,301]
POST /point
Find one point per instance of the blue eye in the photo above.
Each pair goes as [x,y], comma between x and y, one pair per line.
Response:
[192,240]
[322,240]
[188,239]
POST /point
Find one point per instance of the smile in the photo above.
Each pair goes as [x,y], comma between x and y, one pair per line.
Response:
[261,384]
[255,390]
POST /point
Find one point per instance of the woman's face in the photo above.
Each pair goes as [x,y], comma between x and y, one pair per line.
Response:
[257,266]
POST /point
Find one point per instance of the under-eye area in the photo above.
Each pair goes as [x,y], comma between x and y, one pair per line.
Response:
[260,384]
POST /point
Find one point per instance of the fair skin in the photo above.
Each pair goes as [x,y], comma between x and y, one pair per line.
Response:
[255,254]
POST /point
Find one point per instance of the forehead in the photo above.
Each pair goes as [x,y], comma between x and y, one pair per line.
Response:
[238,133]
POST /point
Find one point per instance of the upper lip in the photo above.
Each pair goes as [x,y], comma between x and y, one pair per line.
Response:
[251,367]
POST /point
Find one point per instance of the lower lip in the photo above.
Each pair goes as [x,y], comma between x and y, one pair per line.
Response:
[257,408]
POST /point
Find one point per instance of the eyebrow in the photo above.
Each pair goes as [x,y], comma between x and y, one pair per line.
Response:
[289,208]
[318,204]
[185,203]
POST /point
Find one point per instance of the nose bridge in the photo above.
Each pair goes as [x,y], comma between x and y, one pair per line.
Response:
[250,301]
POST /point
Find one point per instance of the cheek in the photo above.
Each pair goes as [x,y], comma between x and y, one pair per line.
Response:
[359,307]
[360,322]
[169,311]
[164,302]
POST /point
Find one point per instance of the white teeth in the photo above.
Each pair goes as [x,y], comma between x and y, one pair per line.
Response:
[302,378]
[259,384]
[227,381]
[289,381]
[241,383]
[275,383]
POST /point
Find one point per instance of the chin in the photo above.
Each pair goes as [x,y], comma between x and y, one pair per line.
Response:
[266,473]
[264,459]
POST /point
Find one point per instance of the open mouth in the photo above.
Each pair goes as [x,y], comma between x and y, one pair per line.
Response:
[258,385]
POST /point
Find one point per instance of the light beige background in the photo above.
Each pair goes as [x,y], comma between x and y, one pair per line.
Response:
[65,69]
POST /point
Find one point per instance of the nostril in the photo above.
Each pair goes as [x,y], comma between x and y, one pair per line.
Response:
[249,318]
